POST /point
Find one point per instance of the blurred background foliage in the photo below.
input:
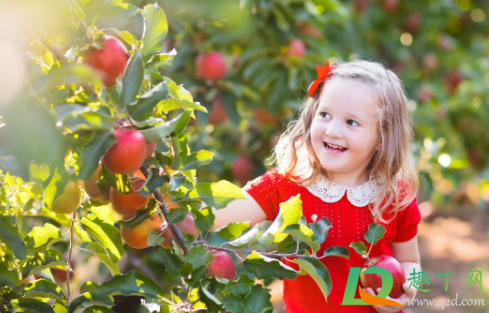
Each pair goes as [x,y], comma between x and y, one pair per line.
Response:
[439,49]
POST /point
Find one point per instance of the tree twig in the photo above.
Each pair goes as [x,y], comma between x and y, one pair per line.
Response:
[164,209]
[69,260]
[55,51]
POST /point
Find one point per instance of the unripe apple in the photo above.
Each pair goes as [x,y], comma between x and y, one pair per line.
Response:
[242,169]
[187,226]
[222,266]
[137,237]
[374,281]
[69,200]
[296,48]
[128,204]
[218,114]
[210,65]
[150,148]
[110,61]
[91,188]
[264,117]
[128,154]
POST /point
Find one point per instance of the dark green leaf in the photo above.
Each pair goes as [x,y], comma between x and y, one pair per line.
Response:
[10,236]
[97,309]
[258,301]
[196,159]
[153,182]
[240,287]
[198,256]
[318,272]
[264,267]
[29,305]
[171,261]
[359,247]
[290,213]
[155,134]
[247,239]
[42,288]
[303,233]
[145,104]
[320,229]
[213,304]
[203,219]
[41,260]
[93,151]
[8,278]
[375,233]
[132,79]
[337,251]
[96,249]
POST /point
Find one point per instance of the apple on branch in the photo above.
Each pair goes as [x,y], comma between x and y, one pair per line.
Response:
[128,204]
[69,200]
[222,266]
[127,155]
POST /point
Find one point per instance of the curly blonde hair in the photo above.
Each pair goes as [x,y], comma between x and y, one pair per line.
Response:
[392,165]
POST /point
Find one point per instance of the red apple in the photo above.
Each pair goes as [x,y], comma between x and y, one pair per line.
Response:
[452,80]
[296,48]
[306,29]
[128,204]
[361,5]
[137,237]
[430,61]
[390,5]
[60,275]
[211,66]
[222,266]
[150,148]
[91,188]
[242,169]
[264,117]
[374,281]
[187,226]
[425,94]
[128,154]
[413,22]
[110,61]
[218,114]
[444,42]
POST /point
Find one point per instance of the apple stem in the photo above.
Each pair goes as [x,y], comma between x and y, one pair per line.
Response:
[164,209]
[68,272]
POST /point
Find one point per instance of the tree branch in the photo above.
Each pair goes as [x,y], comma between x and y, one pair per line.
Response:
[69,260]
[55,51]
[163,208]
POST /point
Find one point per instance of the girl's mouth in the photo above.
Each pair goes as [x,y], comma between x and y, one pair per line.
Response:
[334,149]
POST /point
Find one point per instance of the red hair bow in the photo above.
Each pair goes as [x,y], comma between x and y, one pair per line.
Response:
[323,72]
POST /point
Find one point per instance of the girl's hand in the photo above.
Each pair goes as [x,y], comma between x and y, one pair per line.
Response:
[403,300]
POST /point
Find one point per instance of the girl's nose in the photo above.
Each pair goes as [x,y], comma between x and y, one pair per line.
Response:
[334,130]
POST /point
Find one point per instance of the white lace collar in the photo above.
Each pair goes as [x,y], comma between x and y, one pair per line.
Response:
[331,192]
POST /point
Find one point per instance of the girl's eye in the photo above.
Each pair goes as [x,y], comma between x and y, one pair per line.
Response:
[352,122]
[323,114]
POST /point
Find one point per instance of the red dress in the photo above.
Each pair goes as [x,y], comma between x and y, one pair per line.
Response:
[349,223]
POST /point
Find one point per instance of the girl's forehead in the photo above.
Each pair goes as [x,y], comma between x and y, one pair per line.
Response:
[347,95]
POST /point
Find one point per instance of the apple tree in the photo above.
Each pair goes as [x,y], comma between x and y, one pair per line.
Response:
[95,163]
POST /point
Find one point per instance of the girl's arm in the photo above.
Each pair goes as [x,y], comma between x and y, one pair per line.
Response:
[241,210]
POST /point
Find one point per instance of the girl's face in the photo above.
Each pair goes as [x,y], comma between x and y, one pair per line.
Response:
[343,130]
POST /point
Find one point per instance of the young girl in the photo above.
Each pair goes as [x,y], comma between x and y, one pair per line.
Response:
[348,156]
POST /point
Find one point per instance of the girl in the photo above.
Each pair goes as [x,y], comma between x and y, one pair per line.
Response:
[348,156]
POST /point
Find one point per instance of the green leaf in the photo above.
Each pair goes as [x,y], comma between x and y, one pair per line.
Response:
[129,284]
[232,303]
[213,304]
[359,247]
[153,182]
[217,195]
[156,28]
[196,159]
[178,92]
[171,261]
[42,288]
[97,309]
[93,151]
[174,104]
[117,181]
[264,267]
[90,299]
[132,79]
[318,272]
[198,256]
[51,191]
[163,60]
[103,212]
[290,213]
[247,239]
[145,104]
[232,230]
[95,121]
[155,134]
[41,260]
[29,305]
[337,251]
[141,215]
[203,219]
[240,287]
[304,234]
[96,249]
[67,73]
[320,229]
[375,233]
[10,236]
[105,234]
[258,301]
[39,171]
[176,215]
[8,278]
[41,238]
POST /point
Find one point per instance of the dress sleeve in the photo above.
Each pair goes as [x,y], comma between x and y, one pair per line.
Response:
[267,192]
[407,222]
